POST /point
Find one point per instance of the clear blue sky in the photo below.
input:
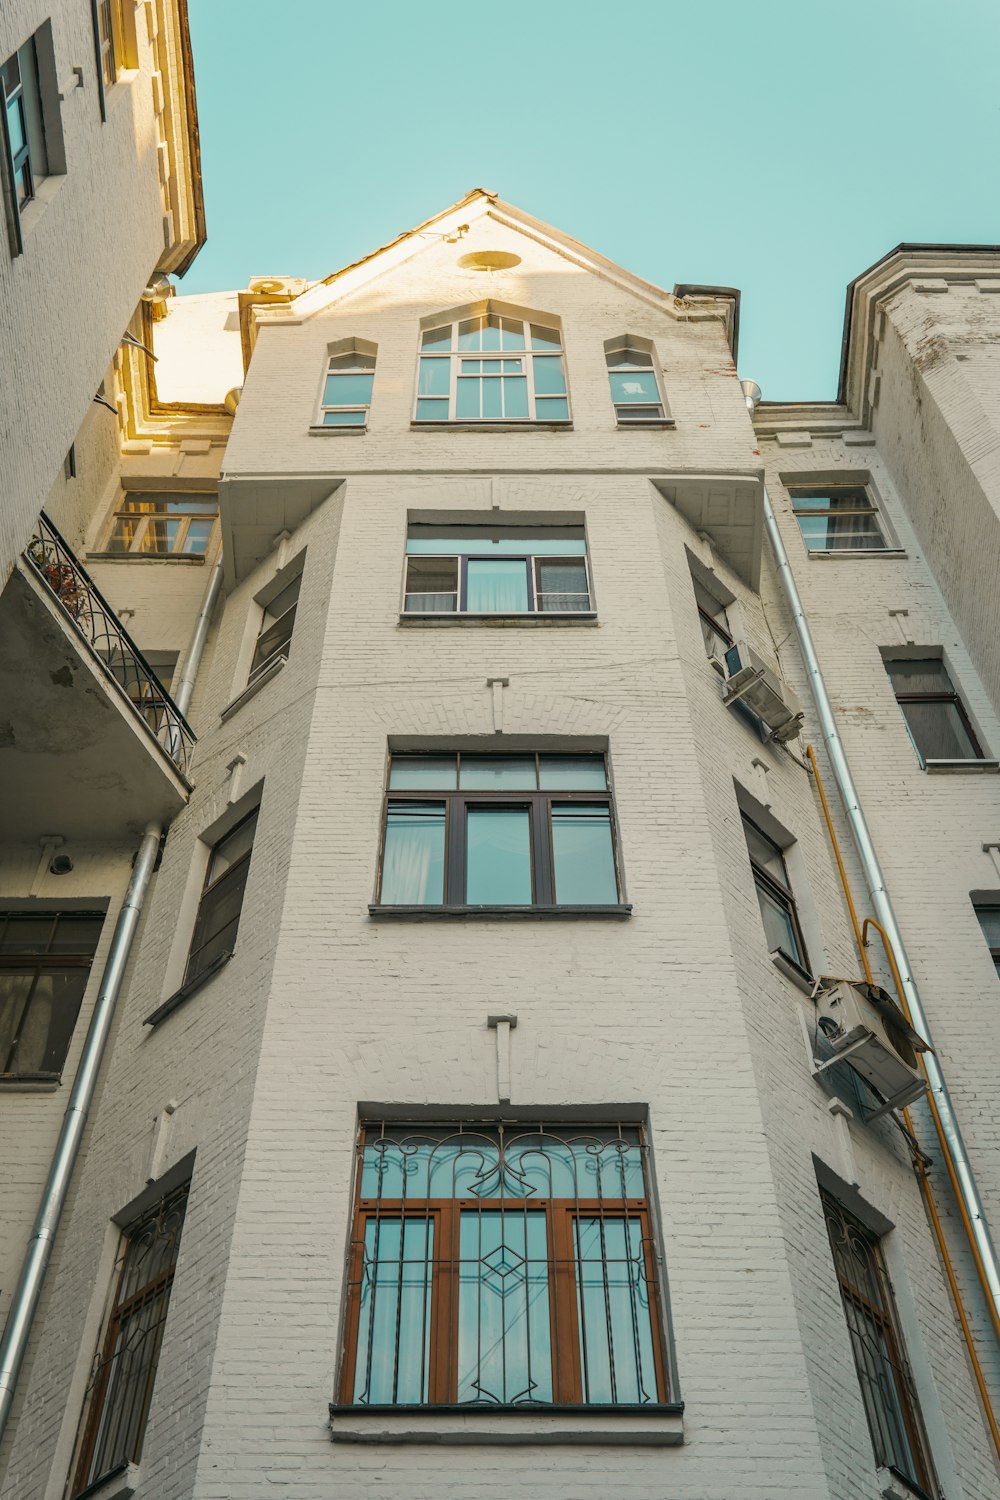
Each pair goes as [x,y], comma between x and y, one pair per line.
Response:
[780,147]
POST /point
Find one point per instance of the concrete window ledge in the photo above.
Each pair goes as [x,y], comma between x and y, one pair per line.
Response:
[960,767]
[435,913]
[183,558]
[516,426]
[578,617]
[186,991]
[657,426]
[29,1083]
[854,553]
[317,431]
[892,1486]
[799,977]
[249,692]
[576,1426]
[121,1484]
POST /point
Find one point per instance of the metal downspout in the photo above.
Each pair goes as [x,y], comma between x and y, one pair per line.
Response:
[17,1331]
[974,1214]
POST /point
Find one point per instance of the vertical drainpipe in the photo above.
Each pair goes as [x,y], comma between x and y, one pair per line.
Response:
[36,1259]
[949,1131]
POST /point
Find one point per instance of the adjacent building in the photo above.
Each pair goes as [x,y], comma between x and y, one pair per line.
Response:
[475,1114]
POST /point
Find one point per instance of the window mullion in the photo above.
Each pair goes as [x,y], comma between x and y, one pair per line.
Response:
[455,850]
[567,1381]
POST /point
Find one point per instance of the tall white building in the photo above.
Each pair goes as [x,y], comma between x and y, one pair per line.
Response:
[490,1094]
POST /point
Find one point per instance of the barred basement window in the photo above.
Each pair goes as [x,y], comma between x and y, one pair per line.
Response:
[121,1386]
[884,1375]
[502,1264]
[491,367]
[45,960]
[221,903]
[496,570]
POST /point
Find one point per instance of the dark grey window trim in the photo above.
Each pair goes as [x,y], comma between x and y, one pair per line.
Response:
[189,988]
[504,913]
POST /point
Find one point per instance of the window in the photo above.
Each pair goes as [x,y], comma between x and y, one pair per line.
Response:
[774,895]
[498,831]
[508,1265]
[989,920]
[635,389]
[221,902]
[276,626]
[837,518]
[109,30]
[935,715]
[45,959]
[347,388]
[496,570]
[121,1387]
[161,524]
[715,627]
[491,368]
[879,1356]
[27,158]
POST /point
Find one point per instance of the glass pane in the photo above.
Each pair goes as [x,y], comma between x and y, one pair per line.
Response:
[572,773]
[76,934]
[437,340]
[636,386]
[552,409]
[923,675]
[15,993]
[842,533]
[468,397]
[393,1348]
[629,358]
[561,587]
[515,398]
[15,124]
[435,375]
[345,418]
[498,773]
[549,377]
[497,586]
[765,852]
[938,731]
[779,929]
[230,850]
[583,856]
[504,1330]
[491,332]
[432,411]
[356,389]
[512,333]
[613,1302]
[425,773]
[545,338]
[636,414]
[160,536]
[841,497]
[498,853]
[989,921]
[413,864]
[29,934]
[492,399]
[38,1012]
[431,585]
[470,334]
[198,536]
[475,540]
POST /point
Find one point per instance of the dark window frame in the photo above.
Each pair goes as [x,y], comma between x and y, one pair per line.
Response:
[143,522]
[276,631]
[213,892]
[538,802]
[102,1440]
[989,906]
[953,697]
[568,1375]
[893,1368]
[49,962]
[781,894]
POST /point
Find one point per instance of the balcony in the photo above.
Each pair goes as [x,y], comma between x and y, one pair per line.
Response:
[91,743]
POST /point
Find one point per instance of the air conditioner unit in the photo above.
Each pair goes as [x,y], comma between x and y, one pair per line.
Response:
[278,286]
[866,1029]
[750,679]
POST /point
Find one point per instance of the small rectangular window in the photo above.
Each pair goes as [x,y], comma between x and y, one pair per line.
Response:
[635,388]
[838,518]
[347,387]
[121,1388]
[496,570]
[498,830]
[45,961]
[887,1388]
[275,634]
[503,1265]
[778,911]
[935,715]
[159,523]
[988,913]
[218,918]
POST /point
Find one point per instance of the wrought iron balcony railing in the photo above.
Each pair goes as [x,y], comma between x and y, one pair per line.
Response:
[54,562]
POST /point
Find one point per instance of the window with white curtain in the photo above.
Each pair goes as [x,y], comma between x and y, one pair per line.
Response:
[489,569]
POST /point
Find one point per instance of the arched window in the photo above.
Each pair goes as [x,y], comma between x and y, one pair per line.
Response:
[635,388]
[488,364]
[347,387]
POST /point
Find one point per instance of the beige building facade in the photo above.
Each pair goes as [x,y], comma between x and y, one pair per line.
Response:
[466,1124]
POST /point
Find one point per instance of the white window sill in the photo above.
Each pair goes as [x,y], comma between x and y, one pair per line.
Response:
[45,191]
[343,430]
[577,617]
[658,423]
[960,767]
[520,424]
[121,1484]
[618,912]
[854,553]
[582,1426]
[791,970]
[254,688]
[894,1487]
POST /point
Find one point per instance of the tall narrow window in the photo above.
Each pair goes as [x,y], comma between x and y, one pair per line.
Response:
[935,715]
[778,911]
[496,570]
[155,523]
[884,1375]
[503,1265]
[491,367]
[837,518]
[716,630]
[347,388]
[988,913]
[121,1387]
[635,389]
[221,902]
[109,28]
[24,135]
[274,638]
[45,960]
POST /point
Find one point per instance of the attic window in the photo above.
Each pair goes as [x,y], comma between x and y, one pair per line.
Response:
[490,366]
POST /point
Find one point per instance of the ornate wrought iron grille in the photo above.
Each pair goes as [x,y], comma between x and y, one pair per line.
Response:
[121,1385]
[887,1388]
[512,1265]
[59,569]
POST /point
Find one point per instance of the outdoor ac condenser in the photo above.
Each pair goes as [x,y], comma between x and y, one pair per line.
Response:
[867,1030]
[748,678]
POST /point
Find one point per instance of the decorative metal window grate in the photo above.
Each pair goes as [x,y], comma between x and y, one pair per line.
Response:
[121,1386]
[56,565]
[887,1389]
[511,1265]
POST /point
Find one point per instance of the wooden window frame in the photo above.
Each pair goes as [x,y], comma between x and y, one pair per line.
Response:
[13,962]
[142,521]
[568,1379]
[781,894]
